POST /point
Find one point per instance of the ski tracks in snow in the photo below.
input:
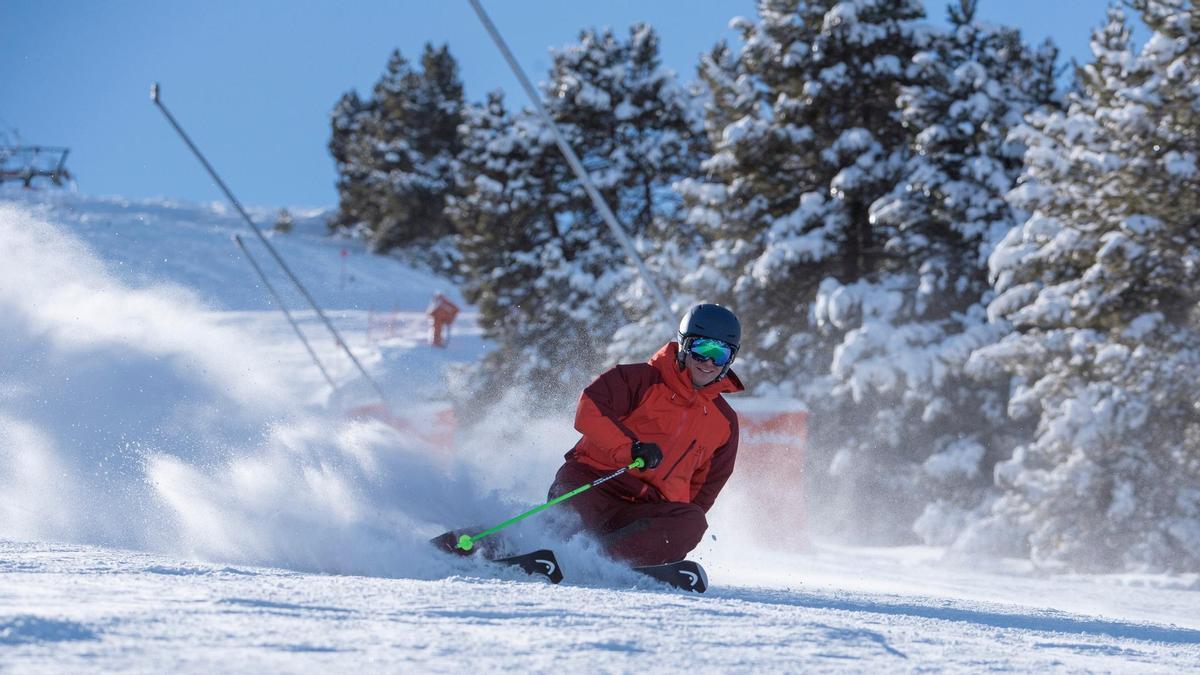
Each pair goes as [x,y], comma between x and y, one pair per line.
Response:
[76,607]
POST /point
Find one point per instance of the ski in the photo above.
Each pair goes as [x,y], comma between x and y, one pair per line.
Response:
[538,563]
[687,575]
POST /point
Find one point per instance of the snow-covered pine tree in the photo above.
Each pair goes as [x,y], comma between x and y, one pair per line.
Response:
[661,138]
[911,428]
[350,146]
[1101,284]
[636,130]
[372,136]
[504,210]
[417,115]
[807,136]
[624,116]
[404,141]
[675,244]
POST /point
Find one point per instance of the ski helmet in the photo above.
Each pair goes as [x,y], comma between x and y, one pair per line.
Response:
[710,321]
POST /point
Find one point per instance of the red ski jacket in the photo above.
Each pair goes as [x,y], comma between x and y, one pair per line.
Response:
[655,402]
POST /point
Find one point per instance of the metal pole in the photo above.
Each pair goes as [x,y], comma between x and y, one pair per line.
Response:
[154,96]
[279,301]
[466,542]
[606,213]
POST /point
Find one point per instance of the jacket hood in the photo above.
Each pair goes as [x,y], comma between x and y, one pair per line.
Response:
[666,360]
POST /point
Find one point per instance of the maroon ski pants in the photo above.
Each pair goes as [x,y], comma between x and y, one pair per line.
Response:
[640,529]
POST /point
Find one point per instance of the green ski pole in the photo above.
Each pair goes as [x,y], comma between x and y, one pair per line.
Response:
[466,542]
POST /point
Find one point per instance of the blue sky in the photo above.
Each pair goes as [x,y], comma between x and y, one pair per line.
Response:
[253,81]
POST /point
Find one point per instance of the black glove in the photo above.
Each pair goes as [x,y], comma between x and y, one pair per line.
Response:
[649,453]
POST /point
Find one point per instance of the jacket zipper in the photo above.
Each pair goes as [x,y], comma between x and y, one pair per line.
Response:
[672,469]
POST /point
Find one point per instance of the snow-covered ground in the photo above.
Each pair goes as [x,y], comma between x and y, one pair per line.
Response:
[72,608]
[181,490]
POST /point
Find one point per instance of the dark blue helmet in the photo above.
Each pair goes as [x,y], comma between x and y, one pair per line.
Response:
[710,321]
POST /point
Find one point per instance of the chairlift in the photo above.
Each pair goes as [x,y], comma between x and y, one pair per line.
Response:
[26,163]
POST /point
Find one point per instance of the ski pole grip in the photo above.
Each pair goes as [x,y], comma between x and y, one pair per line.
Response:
[638,463]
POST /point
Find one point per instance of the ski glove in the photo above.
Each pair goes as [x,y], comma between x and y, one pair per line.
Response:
[649,453]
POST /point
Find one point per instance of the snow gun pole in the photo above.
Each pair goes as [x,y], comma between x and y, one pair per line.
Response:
[585,178]
[466,542]
[279,301]
[154,96]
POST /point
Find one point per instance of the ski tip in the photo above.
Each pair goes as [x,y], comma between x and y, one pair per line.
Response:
[549,566]
[692,578]
[685,575]
[702,583]
[542,563]
[449,543]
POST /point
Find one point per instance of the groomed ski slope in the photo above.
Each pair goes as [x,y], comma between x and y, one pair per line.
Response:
[73,608]
[180,490]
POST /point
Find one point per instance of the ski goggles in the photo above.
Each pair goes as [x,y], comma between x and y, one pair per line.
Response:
[708,349]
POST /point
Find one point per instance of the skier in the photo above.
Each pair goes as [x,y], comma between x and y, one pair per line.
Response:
[669,412]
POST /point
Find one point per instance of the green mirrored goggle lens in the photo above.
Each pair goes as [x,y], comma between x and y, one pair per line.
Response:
[707,349]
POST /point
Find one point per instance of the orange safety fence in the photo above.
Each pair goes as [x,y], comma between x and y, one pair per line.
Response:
[771,459]
[433,423]
[382,325]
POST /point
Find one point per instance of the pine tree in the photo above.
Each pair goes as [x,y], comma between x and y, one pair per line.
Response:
[524,216]
[395,153]
[351,149]
[504,211]
[1101,284]
[657,139]
[807,136]
[912,428]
